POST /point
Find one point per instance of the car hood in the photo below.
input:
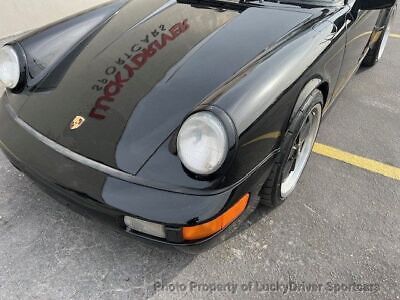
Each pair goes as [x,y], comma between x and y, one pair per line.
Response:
[131,86]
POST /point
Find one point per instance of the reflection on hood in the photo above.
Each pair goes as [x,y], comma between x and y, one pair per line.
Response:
[114,72]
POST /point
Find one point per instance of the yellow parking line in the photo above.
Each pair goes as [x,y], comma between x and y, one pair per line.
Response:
[358,161]
[393,35]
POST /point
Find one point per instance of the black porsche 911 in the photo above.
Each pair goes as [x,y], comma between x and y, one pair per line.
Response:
[174,119]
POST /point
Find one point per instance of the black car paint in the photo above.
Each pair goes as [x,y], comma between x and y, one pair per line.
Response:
[256,81]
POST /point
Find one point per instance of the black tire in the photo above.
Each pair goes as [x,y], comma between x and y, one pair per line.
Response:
[270,193]
[373,54]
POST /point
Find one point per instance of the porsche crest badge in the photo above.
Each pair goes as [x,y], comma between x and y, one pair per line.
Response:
[77,122]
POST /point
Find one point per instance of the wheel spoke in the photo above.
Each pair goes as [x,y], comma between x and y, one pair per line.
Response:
[304,132]
[290,164]
[300,151]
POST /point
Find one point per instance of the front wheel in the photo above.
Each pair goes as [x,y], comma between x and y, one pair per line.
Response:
[296,148]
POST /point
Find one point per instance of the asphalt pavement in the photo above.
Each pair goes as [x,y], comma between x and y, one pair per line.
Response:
[338,233]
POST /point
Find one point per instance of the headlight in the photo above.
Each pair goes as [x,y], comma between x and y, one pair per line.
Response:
[9,67]
[202,143]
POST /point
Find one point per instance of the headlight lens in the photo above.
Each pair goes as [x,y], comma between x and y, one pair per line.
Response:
[202,143]
[9,67]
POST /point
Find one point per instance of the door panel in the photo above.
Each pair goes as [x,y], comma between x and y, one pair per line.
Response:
[360,25]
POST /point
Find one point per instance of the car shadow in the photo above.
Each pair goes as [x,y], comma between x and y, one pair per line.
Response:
[362,69]
[257,215]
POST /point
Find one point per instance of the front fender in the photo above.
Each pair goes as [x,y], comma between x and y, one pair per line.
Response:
[263,100]
[276,72]
[260,99]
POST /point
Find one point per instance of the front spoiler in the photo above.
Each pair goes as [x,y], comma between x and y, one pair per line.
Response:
[113,218]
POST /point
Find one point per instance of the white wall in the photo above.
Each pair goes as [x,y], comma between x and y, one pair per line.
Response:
[18,16]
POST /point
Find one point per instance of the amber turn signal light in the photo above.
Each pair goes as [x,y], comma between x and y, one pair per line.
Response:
[208,229]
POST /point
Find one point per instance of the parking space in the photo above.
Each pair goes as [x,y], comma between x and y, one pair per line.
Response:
[341,226]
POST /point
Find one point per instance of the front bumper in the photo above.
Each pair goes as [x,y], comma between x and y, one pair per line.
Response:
[113,198]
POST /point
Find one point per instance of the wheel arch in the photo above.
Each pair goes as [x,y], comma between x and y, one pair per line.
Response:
[308,88]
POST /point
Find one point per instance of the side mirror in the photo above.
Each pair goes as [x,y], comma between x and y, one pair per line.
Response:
[375,4]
